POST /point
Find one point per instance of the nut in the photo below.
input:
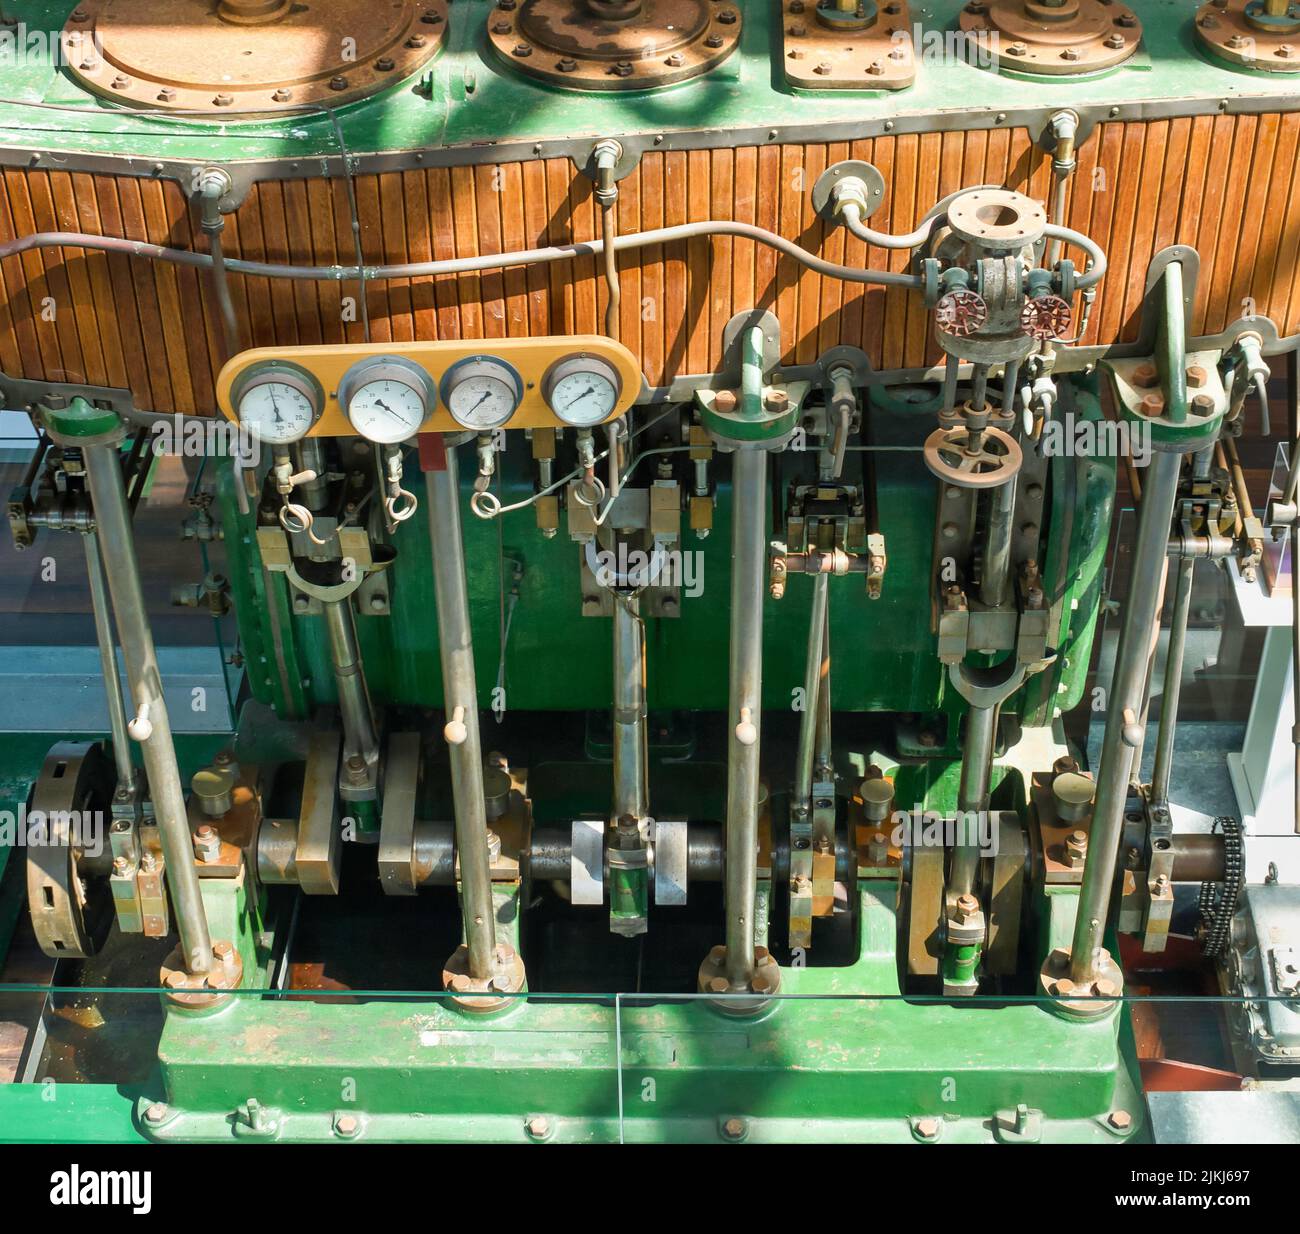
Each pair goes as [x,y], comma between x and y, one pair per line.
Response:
[539,1127]
[347,1124]
[1120,1120]
[927,1128]
[734,1128]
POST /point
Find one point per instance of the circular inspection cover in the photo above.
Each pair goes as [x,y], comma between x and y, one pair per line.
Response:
[249,55]
[614,44]
[1076,36]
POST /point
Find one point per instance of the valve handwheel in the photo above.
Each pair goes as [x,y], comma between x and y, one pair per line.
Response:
[1045,317]
[961,312]
[994,459]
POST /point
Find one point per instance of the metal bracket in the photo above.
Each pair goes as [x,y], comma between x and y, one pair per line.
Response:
[319,839]
[397,819]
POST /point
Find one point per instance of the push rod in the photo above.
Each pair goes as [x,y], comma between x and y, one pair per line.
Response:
[151,725]
[460,693]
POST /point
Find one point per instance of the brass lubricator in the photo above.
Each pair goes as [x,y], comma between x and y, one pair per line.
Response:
[1057,37]
[614,44]
[248,56]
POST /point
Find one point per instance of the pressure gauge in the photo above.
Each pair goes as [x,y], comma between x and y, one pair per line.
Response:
[582,390]
[481,392]
[277,403]
[387,398]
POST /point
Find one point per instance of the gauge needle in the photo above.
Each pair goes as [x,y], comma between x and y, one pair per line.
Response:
[575,401]
[380,403]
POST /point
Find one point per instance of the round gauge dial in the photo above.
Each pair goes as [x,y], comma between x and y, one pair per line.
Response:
[582,390]
[387,399]
[482,393]
[278,403]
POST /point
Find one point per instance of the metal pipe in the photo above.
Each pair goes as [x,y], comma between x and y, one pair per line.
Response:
[468,265]
[803,759]
[108,662]
[150,725]
[631,744]
[359,735]
[1164,759]
[822,754]
[460,694]
[1125,699]
[973,794]
[997,551]
[748,570]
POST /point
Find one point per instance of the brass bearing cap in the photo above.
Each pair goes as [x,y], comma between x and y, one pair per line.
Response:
[484,994]
[1077,1001]
[203,991]
[743,1000]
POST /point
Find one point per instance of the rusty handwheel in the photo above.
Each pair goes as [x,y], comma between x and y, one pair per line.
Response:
[1045,317]
[68,859]
[970,459]
[961,312]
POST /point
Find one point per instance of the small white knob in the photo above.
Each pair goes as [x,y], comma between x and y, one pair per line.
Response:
[140,727]
[1132,733]
[746,733]
[454,730]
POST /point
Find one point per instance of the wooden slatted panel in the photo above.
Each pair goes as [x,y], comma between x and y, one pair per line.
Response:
[1228,185]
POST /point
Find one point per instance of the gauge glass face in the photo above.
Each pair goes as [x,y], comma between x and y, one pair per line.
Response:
[482,399]
[387,411]
[276,411]
[583,397]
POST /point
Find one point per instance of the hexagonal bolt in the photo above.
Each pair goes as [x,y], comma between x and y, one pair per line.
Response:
[224,953]
[927,1128]
[1146,375]
[1197,376]
[223,100]
[155,1113]
[1120,1120]
[207,844]
[538,1127]
[1105,988]
[1062,987]
[346,1125]
[966,907]
[734,1128]
[1076,848]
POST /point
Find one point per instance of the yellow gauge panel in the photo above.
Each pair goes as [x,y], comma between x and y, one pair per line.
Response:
[532,358]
